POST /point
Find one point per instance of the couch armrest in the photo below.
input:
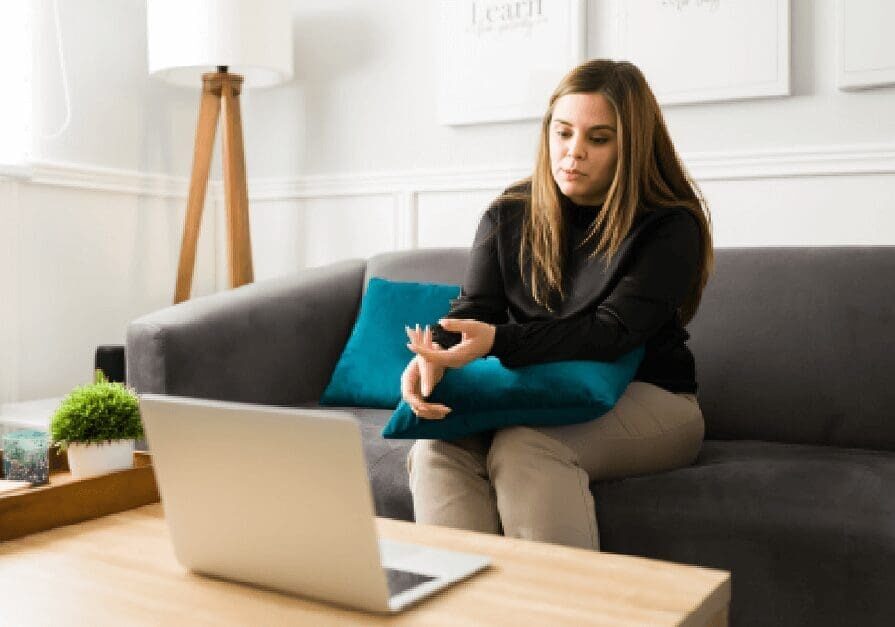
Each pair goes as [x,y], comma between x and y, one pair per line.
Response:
[275,342]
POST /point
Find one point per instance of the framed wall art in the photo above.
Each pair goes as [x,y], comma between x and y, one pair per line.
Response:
[866,48]
[706,50]
[500,60]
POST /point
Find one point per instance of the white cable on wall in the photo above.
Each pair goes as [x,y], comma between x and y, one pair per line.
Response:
[64,76]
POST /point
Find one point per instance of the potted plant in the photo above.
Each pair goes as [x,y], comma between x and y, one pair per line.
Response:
[97,424]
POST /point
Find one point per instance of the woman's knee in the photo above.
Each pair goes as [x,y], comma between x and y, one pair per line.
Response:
[692,436]
[444,453]
[684,441]
[519,448]
[424,453]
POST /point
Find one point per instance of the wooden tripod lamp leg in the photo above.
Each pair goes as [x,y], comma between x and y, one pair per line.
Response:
[239,245]
[209,111]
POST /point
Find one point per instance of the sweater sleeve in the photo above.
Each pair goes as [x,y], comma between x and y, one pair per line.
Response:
[482,295]
[655,283]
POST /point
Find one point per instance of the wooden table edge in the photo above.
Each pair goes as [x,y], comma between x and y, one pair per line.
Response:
[711,610]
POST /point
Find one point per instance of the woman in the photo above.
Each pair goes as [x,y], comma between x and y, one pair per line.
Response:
[605,248]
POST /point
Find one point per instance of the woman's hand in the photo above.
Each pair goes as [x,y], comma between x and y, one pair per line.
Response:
[410,392]
[477,340]
[430,373]
[420,377]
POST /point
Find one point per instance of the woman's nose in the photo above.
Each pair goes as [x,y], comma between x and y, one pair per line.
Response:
[576,151]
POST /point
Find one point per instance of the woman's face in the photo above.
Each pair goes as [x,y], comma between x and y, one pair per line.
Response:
[583,147]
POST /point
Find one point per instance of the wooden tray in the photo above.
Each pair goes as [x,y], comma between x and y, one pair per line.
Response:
[66,501]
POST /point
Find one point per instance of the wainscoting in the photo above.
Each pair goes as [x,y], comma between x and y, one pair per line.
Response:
[83,249]
[817,196]
[80,260]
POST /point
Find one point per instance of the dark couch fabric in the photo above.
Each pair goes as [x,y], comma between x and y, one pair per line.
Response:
[386,460]
[779,330]
[794,491]
[809,530]
[796,345]
[274,342]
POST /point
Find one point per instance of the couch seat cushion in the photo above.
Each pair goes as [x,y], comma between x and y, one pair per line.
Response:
[808,531]
[809,528]
[386,463]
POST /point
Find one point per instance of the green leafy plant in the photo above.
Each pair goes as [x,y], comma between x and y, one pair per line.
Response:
[99,412]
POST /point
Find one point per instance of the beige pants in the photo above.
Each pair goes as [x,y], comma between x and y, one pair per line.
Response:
[533,482]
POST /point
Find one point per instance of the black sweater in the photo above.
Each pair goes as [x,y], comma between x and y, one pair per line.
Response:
[606,311]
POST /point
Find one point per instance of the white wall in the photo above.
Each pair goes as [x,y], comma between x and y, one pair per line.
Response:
[120,118]
[775,171]
[367,82]
[348,160]
[90,230]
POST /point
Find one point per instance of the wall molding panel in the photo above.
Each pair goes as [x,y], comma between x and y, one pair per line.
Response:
[103,179]
[792,163]
[406,188]
[835,160]
[865,49]
[310,220]
[406,220]
[10,278]
[388,182]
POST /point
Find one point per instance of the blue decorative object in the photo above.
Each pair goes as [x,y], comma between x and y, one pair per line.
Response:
[25,456]
[368,374]
[484,395]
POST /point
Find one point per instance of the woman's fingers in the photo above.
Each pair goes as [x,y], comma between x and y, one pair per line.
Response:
[422,343]
[410,392]
[430,411]
[418,380]
[419,336]
[424,409]
[416,338]
[427,376]
[425,366]
[453,357]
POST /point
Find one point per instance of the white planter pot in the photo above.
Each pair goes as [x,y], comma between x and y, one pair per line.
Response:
[89,460]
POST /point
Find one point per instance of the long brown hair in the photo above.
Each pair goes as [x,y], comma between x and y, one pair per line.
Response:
[649,175]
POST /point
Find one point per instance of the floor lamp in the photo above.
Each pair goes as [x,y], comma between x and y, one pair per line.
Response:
[224,45]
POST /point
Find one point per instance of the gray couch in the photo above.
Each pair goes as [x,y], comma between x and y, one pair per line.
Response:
[794,491]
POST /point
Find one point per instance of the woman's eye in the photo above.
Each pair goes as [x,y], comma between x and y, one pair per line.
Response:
[563,133]
[599,140]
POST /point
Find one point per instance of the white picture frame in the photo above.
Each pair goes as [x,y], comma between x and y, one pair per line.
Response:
[706,50]
[865,47]
[500,60]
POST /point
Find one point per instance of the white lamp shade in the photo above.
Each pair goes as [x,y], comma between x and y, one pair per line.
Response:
[252,38]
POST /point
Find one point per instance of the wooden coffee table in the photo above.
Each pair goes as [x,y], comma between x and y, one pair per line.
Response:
[121,570]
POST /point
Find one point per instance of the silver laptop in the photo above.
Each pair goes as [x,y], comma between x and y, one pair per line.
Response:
[280,498]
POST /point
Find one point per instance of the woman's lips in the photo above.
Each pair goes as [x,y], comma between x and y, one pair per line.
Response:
[571,175]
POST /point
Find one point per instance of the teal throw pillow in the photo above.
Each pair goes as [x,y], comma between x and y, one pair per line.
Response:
[484,395]
[368,374]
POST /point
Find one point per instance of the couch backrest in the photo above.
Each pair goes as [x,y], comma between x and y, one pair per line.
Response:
[798,345]
[430,265]
[791,344]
